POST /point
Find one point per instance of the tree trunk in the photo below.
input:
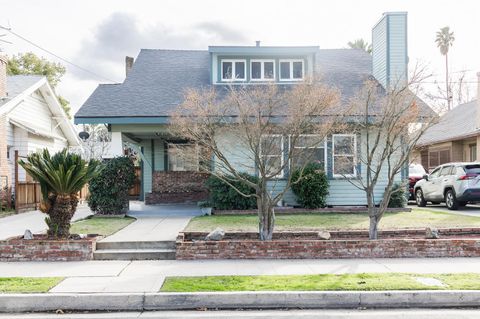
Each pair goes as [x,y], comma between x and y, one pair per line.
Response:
[266,216]
[60,214]
[446,81]
[373,230]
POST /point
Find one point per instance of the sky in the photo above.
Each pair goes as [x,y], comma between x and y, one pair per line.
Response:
[97,35]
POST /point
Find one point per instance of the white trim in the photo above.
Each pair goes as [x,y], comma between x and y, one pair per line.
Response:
[354,155]
[262,70]
[290,61]
[233,61]
[282,152]
[325,157]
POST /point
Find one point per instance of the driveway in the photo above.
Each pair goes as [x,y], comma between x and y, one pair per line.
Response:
[469,210]
[16,225]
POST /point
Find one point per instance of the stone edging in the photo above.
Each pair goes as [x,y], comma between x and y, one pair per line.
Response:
[245,300]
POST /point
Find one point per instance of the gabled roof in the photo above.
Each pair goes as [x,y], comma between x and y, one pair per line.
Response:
[19,87]
[159,78]
[456,124]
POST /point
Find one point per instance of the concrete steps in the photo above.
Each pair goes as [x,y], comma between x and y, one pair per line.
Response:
[135,250]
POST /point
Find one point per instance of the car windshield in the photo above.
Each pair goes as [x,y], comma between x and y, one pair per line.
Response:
[472,169]
[416,170]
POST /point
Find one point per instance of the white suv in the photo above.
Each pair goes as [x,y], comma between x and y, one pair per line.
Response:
[456,184]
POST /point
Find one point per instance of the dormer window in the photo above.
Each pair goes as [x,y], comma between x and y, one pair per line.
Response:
[291,70]
[233,70]
[262,70]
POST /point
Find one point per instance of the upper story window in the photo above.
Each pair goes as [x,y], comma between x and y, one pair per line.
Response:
[233,70]
[291,70]
[262,70]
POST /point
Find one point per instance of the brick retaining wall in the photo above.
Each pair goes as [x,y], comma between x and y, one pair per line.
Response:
[18,249]
[463,242]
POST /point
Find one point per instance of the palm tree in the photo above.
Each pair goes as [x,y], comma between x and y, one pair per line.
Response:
[360,44]
[444,41]
[61,177]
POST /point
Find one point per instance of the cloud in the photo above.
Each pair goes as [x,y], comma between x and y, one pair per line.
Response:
[122,34]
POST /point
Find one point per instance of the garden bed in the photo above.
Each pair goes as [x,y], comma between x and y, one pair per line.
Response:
[453,242]
[42,248]
[294,210]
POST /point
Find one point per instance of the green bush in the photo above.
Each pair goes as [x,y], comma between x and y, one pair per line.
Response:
[109,190]
[223,196]
[398,199]
[311,186]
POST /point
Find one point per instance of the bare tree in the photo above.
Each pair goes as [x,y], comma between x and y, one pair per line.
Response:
[391,123]
[97,144]
[256,130]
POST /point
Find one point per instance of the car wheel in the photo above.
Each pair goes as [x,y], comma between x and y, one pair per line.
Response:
[451,200]
[421,202]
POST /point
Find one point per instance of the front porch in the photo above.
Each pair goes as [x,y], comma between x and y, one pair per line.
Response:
[170,168]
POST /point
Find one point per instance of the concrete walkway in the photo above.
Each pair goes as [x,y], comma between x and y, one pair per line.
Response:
[155,222]
[15,225]
[148,276]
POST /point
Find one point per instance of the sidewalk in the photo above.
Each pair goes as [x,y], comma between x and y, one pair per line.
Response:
[148,276]
[15,225]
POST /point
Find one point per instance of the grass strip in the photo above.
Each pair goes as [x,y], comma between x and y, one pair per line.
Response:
[27,284]
[100,225]
[323,282]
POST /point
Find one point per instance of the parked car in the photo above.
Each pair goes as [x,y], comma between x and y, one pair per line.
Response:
[415,173]
[455,184]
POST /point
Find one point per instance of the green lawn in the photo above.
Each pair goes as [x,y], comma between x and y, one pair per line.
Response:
[28,285]
[100,225]
[326,282]
[418,218]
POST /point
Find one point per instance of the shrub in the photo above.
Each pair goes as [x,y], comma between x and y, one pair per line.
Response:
[223,196]
[398,199]
[311,186]
[109,190]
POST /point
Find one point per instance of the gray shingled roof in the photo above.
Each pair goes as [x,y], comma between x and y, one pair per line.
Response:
[159,78]
[456,124]
[16,84]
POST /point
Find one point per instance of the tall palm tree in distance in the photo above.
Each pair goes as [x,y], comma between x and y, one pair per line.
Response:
[444,41]
[360,44]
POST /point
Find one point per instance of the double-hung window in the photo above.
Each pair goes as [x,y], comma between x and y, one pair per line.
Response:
[262,70]
[292,70]
[344,160]
[182,157]
[271,154]
[233,70]
[308,148]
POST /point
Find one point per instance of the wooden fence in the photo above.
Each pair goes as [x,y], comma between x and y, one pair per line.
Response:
[28,195]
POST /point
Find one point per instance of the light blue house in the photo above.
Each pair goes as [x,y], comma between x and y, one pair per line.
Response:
[137,111]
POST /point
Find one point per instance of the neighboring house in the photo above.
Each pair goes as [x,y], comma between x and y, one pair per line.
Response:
[455,138]
[31,119]
[137,111]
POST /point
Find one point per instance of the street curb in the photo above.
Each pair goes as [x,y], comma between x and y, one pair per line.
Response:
[244,300]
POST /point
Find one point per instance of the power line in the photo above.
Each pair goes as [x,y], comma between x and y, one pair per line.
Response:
[56,55]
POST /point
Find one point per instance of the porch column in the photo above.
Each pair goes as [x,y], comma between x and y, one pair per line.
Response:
[116,146]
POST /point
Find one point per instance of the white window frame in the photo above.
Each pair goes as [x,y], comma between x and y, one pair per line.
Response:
[233,61]
[262,70]
[169,145]
[291,69]
[354,174]
[325,157]
[282,153]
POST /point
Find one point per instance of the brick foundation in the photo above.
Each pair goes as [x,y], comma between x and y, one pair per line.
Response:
[177,187]
[461,242]
[43,249]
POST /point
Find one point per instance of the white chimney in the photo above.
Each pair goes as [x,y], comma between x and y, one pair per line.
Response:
[3,76]
[389,50]
[128,64]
